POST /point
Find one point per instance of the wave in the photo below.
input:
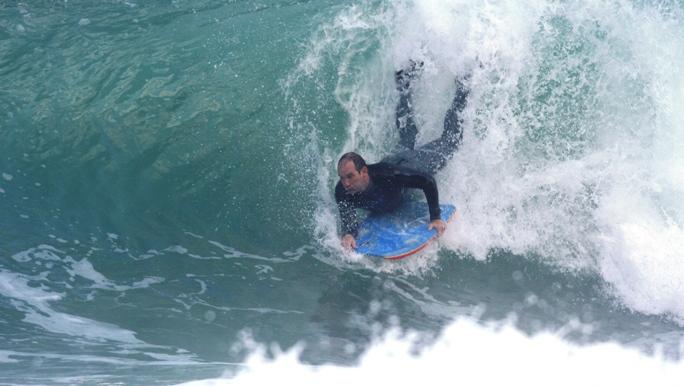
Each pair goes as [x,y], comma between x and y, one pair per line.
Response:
[570,152]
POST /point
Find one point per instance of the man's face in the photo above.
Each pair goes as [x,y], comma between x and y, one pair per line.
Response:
[352,180]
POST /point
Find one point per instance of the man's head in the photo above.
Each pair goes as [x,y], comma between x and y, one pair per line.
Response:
[353,173]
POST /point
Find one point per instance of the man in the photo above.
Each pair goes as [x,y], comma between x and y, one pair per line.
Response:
[380,187]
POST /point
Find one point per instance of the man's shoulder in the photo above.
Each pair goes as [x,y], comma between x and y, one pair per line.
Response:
[382,169]
[388,169]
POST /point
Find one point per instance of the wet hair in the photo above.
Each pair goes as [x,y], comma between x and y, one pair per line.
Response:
[358,161]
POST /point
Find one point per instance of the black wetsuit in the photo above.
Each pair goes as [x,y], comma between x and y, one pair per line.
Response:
[407,168]
[385,193]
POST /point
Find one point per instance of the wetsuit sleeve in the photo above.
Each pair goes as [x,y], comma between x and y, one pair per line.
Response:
[427,184]
[350,222]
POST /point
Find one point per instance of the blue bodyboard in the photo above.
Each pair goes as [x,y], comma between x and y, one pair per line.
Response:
[400,233]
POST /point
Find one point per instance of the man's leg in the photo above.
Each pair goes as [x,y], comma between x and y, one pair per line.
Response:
[453,121]
[434,155]
[404,113]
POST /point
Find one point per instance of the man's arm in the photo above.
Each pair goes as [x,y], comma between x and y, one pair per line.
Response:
[414,179]
[417,180]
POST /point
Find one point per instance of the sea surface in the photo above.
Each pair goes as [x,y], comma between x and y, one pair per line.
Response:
[166,192]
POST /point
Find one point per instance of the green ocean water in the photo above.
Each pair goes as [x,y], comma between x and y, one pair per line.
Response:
[167,171]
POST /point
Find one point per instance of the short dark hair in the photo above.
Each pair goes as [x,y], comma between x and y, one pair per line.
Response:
[358,161]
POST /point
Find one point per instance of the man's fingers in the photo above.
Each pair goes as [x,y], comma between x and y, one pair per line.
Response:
[439,226]
[349,243]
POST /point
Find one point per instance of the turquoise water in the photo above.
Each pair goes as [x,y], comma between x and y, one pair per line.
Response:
[166,176]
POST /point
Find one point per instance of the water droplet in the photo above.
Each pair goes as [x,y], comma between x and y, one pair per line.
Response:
[210,316]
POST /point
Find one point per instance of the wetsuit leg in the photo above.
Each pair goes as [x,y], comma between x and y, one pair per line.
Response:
[405,121]
[406,124]
[453,121]
[434,155]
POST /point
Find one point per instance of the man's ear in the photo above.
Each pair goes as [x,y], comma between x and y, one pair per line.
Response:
[364,170]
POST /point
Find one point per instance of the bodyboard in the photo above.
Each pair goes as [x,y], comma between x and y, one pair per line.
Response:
[400,233]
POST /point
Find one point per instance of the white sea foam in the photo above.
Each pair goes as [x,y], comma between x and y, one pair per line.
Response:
[468,353]
[85,269]
[35,303]
[82,267]
[5,357]
[180,358]
[41,252]
[232,253]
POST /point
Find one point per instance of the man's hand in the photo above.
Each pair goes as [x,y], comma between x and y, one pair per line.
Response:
[348,242]
[439,225]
